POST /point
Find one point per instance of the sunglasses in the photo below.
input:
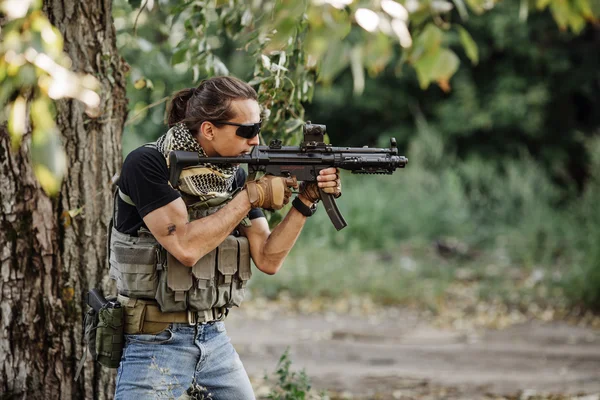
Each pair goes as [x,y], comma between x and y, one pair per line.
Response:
[247,131]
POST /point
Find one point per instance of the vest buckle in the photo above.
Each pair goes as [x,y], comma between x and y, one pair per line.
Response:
[191,317]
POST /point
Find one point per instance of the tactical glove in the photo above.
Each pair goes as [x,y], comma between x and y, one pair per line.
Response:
[310,190]
[270,192]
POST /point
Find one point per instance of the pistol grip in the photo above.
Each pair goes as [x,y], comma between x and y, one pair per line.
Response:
[337,219]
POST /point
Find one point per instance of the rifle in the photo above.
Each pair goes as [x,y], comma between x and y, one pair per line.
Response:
[303,162]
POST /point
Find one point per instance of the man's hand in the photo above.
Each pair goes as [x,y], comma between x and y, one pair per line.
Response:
[328,180]
[270,192]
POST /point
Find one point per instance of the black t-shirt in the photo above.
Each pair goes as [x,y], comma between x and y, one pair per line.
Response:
[145,179]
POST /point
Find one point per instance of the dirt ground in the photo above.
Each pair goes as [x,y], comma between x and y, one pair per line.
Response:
[395,354]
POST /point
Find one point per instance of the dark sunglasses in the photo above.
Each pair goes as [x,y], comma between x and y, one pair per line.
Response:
[247,131]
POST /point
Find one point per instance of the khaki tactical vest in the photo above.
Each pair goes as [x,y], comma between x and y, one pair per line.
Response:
[143,269]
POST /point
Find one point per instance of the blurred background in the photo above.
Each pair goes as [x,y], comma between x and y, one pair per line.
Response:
[497,212]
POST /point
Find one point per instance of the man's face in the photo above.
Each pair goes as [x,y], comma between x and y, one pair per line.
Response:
[222,140]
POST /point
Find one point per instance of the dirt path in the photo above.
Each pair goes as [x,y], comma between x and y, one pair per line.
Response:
[399,355]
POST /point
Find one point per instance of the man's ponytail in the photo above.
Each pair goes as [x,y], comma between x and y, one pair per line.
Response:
[177,108]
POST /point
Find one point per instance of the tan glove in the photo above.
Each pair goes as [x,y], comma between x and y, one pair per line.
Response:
[270,192]
[310,190]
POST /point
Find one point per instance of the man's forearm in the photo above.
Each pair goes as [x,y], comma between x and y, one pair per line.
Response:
[203,235]
[281,240]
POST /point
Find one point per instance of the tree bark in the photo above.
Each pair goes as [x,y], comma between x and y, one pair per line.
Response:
[46,264]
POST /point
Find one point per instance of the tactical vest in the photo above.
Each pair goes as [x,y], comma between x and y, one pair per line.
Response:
[143,269]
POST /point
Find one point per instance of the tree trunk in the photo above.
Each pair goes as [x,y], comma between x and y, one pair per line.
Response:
[46,264]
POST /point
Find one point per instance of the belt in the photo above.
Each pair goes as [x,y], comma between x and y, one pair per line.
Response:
[152,312]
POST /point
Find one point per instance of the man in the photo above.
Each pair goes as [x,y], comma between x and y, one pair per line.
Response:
[181,256]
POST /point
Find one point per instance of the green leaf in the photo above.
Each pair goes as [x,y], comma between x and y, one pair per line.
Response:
[17,120]
[358,70]
[49,182]
[377,52]
[258,79]
[49,159]
[436,66]
[542,4]
[179,56]
[266,62]
[447,64]
[292,124]
[431,37]
[561,12]
[469,45]
[42,116]
[441,6]
[422,71]
[219,67]
[476,6]
[524,10]
[334,60]
[428,41]
[135,3]
[139,84]
[462,9]
[584,8]
[576,22]
[316,44]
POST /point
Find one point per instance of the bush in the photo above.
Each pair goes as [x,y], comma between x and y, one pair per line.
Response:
[290,385]
[509,215]
[511,205]
[582,281]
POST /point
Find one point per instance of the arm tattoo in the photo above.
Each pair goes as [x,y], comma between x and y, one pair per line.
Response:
[172,228]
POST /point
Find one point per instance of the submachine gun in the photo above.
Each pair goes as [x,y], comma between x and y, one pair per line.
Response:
[303,162]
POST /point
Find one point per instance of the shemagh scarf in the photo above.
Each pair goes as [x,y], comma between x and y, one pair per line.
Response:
[205,181]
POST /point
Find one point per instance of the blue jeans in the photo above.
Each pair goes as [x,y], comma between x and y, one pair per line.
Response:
[167,364]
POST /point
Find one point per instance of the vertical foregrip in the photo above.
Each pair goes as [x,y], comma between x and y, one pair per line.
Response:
[332,210]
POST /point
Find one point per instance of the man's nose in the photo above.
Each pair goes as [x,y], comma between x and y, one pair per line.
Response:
[255,141]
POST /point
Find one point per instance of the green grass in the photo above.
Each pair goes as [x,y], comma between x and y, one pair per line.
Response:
[388,278]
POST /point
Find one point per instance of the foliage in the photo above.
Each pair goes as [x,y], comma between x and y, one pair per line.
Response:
[571,14]
[33,72]
[290,385]
[534,89]
[293,42]
[148,47]
[281,73]
[583,278]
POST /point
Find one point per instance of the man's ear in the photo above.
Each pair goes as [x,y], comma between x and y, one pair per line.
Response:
[207,130]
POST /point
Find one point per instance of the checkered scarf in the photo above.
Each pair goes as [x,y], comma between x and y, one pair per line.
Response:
[204,180]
